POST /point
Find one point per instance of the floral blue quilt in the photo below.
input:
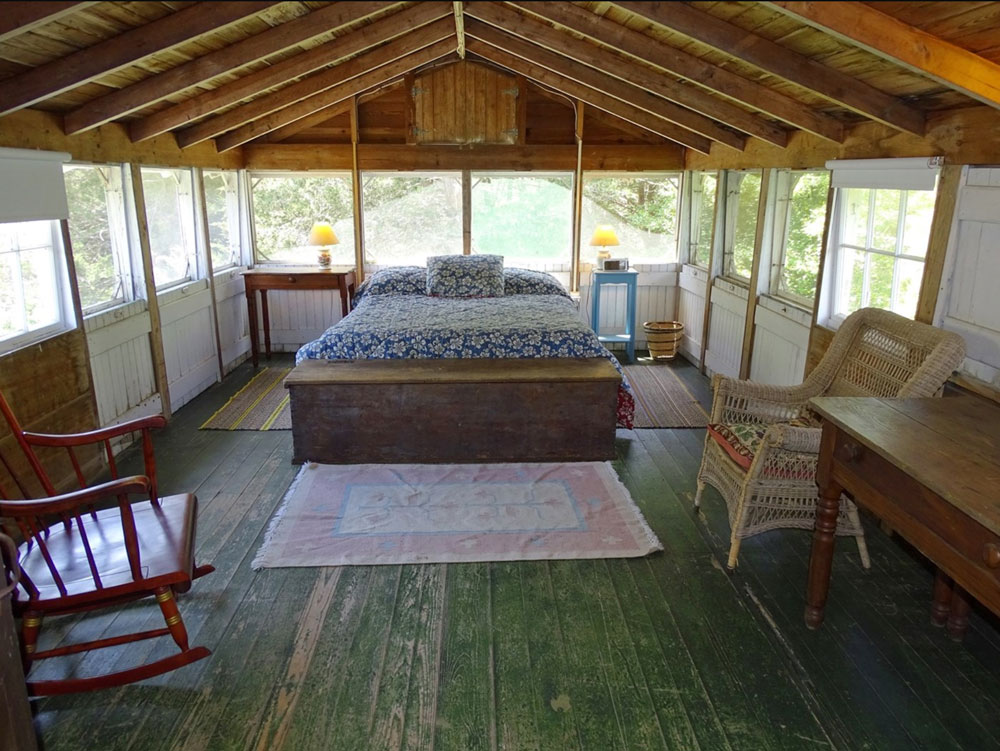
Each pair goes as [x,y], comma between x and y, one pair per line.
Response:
[395,326]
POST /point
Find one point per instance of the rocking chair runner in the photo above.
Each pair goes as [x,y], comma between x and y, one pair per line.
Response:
[77,558]
[762,445]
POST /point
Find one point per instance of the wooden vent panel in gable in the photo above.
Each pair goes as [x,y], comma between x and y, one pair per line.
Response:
[465,103]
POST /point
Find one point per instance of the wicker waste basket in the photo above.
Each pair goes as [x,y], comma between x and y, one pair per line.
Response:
[662,338]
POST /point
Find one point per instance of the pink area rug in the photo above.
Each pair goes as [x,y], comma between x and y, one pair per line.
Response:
[339,515]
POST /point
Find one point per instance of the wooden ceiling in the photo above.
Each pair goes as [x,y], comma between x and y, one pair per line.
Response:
[698,74]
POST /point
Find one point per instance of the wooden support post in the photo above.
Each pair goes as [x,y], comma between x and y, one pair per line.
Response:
[713,261]
[78,314]
[467,212]
[937,243]
[409,81]
[574,275]
[152,303]
[359,233]
[815,337]
[755,282]
[206,241]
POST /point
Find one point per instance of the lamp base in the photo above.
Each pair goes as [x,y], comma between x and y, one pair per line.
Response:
[323,258]
[603,255]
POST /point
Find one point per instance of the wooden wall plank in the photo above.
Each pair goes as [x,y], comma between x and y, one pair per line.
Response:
[937,244]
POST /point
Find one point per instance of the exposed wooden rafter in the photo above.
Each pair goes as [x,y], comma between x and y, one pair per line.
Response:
[327,96]
[87,64]
[589,54]
[828,82]
[204,68]
[282,72]
[712,77]
[593,97]
[602,82]
[914,49]
[460,28]
[19,18]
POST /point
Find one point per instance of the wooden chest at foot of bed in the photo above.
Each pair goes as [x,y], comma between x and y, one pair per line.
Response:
[453,410]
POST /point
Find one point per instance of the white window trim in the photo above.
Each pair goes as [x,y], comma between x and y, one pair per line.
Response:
[695,203]
[782,218]
[731,215]
[195,262]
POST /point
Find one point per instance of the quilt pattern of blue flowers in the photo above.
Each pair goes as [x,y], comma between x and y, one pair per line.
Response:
[393,326]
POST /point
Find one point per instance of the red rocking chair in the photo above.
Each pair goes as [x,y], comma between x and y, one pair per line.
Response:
[74,557]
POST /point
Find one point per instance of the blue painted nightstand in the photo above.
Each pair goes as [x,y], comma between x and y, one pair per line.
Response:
[628,278]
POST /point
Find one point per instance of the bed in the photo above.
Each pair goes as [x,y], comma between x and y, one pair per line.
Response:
[493,365]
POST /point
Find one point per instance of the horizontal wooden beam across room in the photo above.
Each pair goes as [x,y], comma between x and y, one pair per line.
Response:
[85,65]
[204,68]
[679,92]
[289,69]
[828,82]
[882,35]
[396,157]
[602,82]
[311,85]
[328,96]
[712,77]
[590,96]
[22,17]
[611,95]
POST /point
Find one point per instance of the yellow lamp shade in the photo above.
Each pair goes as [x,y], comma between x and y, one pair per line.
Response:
[604,235]
[322,234]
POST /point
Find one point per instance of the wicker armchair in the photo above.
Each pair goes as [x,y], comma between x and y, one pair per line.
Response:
[762,444]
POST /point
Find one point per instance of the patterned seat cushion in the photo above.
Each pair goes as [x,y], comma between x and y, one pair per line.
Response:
[740,440]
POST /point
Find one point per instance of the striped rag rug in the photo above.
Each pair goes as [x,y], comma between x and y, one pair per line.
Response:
[260,405]
[661,398]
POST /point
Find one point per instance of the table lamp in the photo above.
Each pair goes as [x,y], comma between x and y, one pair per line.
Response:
[322,236]
[604,236]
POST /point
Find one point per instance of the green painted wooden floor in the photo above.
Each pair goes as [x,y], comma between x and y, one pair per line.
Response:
[664,652]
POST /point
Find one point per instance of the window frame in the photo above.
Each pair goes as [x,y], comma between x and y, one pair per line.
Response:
[66,315]
[695,203]
[782,220]
[837,266]
[731,217]
[234,217]
[196,263]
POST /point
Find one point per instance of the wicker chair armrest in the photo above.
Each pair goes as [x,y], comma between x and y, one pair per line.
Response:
[748,401]
[801,440]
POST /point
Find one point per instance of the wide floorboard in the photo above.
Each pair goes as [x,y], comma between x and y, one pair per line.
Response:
[664,652]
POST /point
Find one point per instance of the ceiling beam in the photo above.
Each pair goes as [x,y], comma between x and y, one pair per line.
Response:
[584,52]
[85,65]
[282,72]
[882,35]
[200,69]
[696,70]
[593,97]
[460,29]
[593,79]
[331,95]
[20,17]
[441,29]
[830,83]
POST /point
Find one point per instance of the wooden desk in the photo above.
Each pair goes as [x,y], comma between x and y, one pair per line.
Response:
[291,277]
[931,469]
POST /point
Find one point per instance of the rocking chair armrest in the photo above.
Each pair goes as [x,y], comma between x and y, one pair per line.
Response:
[93,436]
[68,502]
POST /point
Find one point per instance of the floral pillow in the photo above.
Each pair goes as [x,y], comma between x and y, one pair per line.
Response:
[465,276]
[527,282]
[394,280]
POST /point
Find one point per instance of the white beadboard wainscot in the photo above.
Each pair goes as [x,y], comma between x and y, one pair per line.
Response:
[691,310]
[780,342]
[725,328]
[188,341]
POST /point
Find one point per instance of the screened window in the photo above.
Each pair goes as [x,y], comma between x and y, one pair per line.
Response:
[285,207]
[526,218]
[170,219]
[409,216]
[702,217]
[742,199]
[881,244]
[97,230]
[222,206]
[642,209]
[800,216]
[31,283]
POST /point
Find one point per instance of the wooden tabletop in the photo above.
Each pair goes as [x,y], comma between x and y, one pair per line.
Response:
[315,269]
[950,445]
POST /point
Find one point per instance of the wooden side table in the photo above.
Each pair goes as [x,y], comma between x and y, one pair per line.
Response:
[628,278]
[291,277]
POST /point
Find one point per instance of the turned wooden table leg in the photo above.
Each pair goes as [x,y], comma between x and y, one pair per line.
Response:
[941,605]
[267,323]
[821,557]
[252,325]
[958,617]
